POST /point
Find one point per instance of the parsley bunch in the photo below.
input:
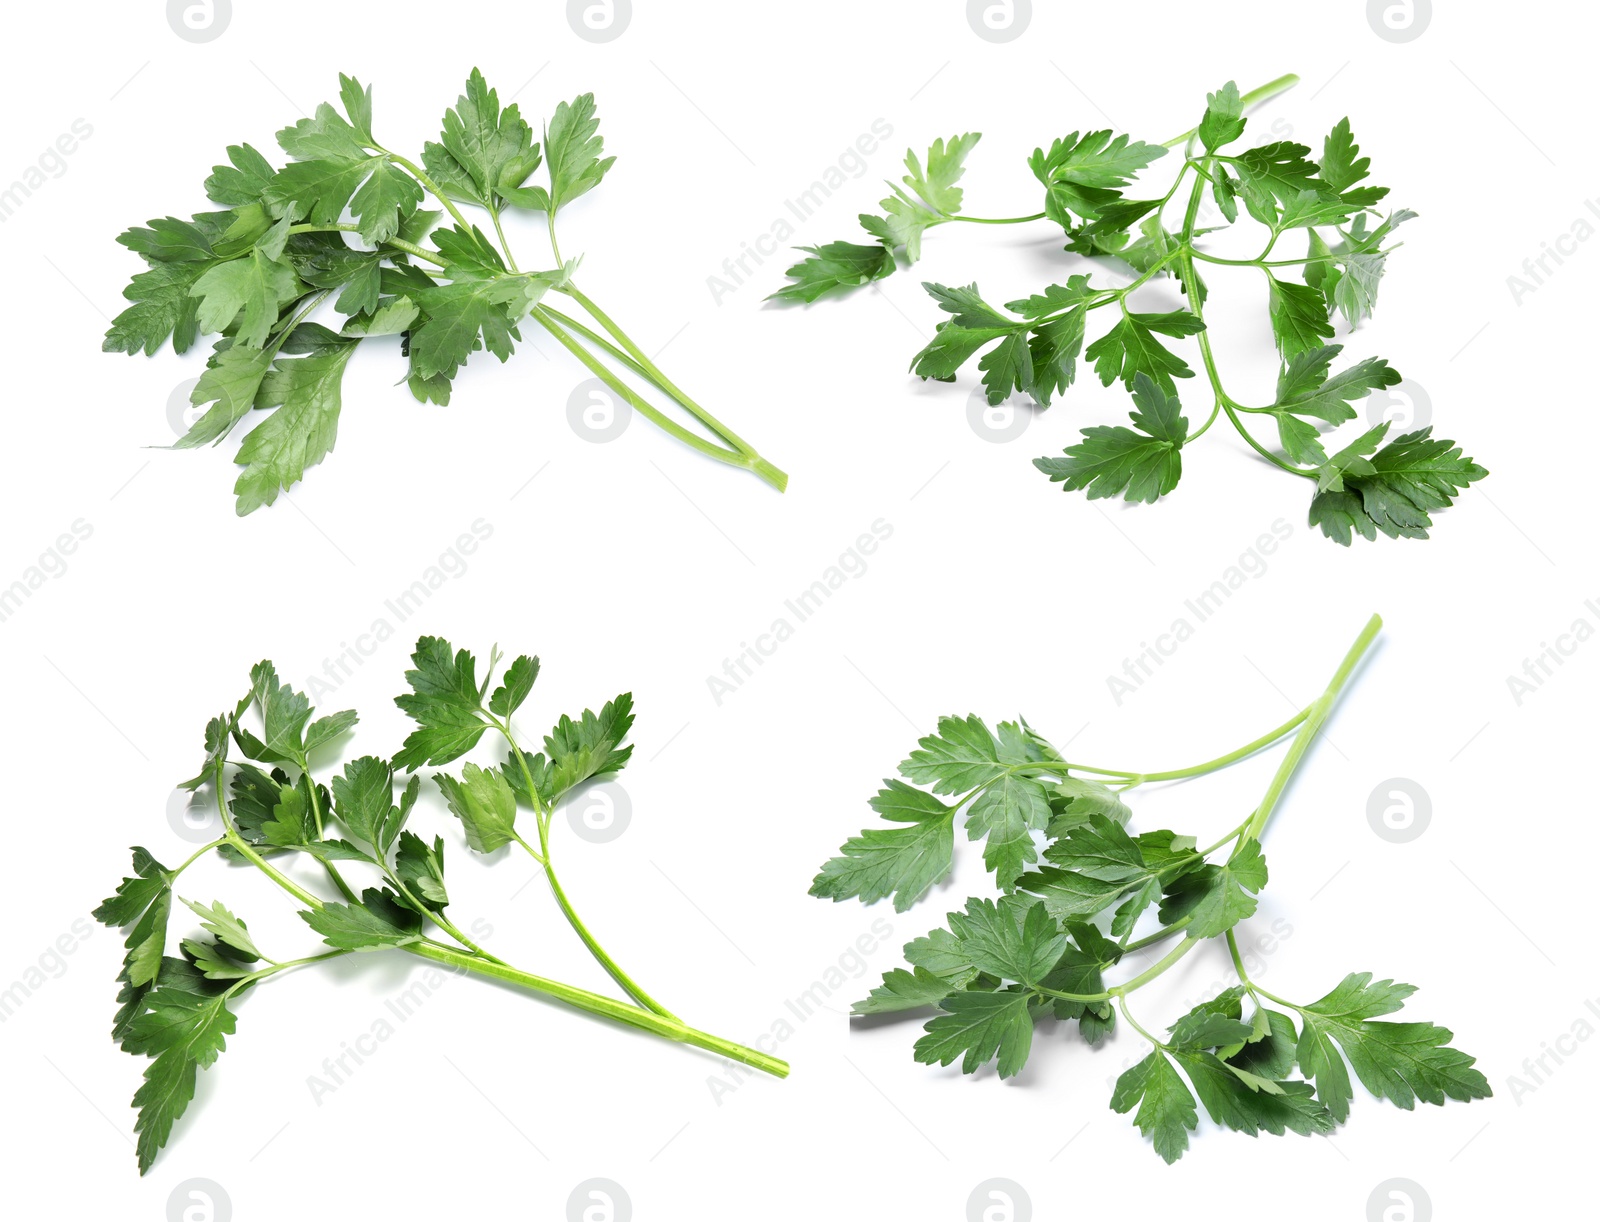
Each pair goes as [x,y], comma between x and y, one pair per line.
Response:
[254,272]
[1373,484]
[178,1009]
[1042,949]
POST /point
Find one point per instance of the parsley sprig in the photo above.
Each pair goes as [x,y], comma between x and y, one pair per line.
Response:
[1374,484]
[177,1009]
[254,272]
[1068,914]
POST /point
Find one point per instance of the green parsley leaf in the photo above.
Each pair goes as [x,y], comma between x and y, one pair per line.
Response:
[1299,317]
[490,152]
[306,392]
[902,862]
[1130,348]
[588,747]
[835,265]
[1166,1112]
[1143,465]
[1395,491]
[484,803]
[1400,1062]
[573,148]
[1224,121]
[1016,939]
[421,867]
[1216,898]
[903,990]
[978,1027]
[184,1034]
[379,920]
[444,702]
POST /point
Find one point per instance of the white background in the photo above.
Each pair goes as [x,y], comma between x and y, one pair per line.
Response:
[637,565]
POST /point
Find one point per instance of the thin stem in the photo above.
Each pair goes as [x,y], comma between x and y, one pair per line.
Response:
[1316,716]
[410,248]
[1122,1004]
[198,854]
[633,349]
[997,220]
[263,973]
[693,440]
[1244,978]
[438,918]
[1216,410]
[1238,960]
[287,328]
[316,815]
[437,192]
[1161,935]
[1149,974]
[1260,449]
[555,247]
[501,234]
[607,1007]
[1083,997]
[542,856]
[1259,94]
[1233,834]
[248,852]
[1222,761]
[1178,774]
[1269,262]
[600,341]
